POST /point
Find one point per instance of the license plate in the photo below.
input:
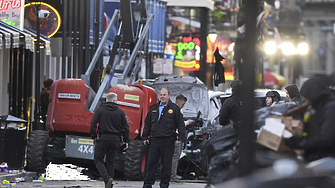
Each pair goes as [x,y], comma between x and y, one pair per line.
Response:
[79,147]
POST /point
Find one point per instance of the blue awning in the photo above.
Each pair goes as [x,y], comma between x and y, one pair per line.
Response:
[156,42]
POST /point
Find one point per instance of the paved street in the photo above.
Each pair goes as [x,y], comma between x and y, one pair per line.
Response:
[100,184]
[29,176]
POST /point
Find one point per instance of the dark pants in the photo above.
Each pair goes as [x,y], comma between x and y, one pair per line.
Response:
[162,148]
[109,148]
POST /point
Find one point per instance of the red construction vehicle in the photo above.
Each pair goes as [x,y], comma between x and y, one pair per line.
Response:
[73,102]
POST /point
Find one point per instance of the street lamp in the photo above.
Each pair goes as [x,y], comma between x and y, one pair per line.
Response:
[212,35]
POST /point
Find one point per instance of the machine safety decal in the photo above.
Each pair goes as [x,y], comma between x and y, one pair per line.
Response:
[128,104]
[85,141]
[68,96]
[131,97]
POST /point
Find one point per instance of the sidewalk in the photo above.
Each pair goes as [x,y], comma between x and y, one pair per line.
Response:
[100,184]
[11,177]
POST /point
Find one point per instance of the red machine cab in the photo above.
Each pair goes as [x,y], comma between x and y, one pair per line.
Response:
[135,101]
[68,111]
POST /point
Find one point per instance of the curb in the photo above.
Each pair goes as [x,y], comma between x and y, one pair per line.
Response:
[11,177]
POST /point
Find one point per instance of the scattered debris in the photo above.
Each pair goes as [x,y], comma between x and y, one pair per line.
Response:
[20,179]
[3,167]
[37,181]
[64,172]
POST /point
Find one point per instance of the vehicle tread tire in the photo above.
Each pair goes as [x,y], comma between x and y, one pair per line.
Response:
[56,154]
[133,160]
[36,146]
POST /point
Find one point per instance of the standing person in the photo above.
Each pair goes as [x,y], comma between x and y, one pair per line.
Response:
[161,122]
[45,99]
[293,94]
[180,102]
[319,142]
[229,112]
[272,98]
[112,125]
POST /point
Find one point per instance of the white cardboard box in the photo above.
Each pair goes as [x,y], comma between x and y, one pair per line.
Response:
[271,134]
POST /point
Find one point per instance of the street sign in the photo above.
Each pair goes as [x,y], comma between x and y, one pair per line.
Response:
[158,66]
[168,66]
[163,66]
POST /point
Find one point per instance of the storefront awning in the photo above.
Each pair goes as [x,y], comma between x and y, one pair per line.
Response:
[44,38]
[13,37]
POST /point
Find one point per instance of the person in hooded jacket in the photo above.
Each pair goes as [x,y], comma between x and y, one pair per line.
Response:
[45,99]
[318,141]
[293,94]
[229,112]
[112,126]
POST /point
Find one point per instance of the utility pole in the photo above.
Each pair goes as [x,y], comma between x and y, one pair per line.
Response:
[37,112]
[203,44]
[248,78]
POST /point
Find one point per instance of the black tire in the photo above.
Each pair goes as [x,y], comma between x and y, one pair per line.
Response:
[36,146]
[135,160]
[56,153]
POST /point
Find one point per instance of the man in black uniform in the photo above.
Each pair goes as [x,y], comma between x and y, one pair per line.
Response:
[161,122]
[112,124]
[229,112]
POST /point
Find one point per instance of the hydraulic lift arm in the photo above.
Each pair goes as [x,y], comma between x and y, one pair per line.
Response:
[86,76]
[124,40]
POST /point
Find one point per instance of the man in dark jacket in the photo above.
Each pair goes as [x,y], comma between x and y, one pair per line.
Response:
[229,112]
[161,122]
[319,140]
[112,125]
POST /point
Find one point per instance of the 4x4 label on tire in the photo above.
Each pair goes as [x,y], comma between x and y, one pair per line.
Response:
[79,147]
